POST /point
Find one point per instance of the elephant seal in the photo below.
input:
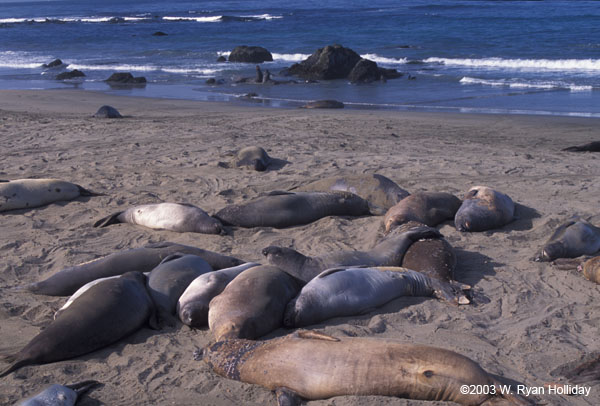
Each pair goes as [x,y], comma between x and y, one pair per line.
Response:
[252,157]
[59,395]
[484,209]
[28,193]
[591,269]
[182,218]
[389,252]
[104,314]
[285,209]
[429,208]
[252,304]
[192,306]
[378,190]
[314,366]
[324,104]
[144,259]
[572,239]
[352,291]
[593,146]
[108,112]
[170,279]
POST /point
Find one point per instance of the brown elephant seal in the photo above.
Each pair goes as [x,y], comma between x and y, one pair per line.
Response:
[314,366]
[352,291]
[324,104]
[484,209]
[378,190]
[389,252]
[591,269]
[252,157]
[108,112]
[28,193]
[182,218]
[572,239]
[144,259]
[192,306]
[286,209]
[593,146]
[252,304]
[429,208]
[60,395]
[101,316]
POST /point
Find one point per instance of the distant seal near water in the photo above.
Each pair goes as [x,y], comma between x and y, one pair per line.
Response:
[59,395]
[313,366]
[430,208]
[107,112]
[104,314]
[591,269]
[177,217]
[252,304]
[484,209]
[144,259]
[285,209]
[252,157]
[593,146]
[28,193]
[324,104]
[192,306]
[389,252]
[572,239]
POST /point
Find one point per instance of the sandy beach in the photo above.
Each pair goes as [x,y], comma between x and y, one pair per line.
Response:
[528,319]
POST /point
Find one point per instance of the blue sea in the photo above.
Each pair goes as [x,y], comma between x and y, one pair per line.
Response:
[516,57]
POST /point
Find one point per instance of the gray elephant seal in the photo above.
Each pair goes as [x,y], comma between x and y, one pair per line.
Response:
[429,208]
[101,316]
[28,193]
[252,157]
[389,252]
[170,279]
[591,269]
[352,291]
[286,209]
[252,304]
[572,239]
[593,146]
[108,112]
[378,190]
[484,209]
[67,281]
[314,366]
[59,395]
[192,306]
[182,218]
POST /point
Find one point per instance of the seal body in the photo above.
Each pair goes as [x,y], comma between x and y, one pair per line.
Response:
[570,240]
[285,209]
[108,112]
[177,217]
[192,306]
[484,209]
[324,104]
[105,313]
[253,157]
[67,281]
[252,304]
[593,146]
[429,208]
[591,269]
[27,193]
[59,395]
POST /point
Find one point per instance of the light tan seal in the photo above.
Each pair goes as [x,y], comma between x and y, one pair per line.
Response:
[430,208]
[591,269]
[484,208]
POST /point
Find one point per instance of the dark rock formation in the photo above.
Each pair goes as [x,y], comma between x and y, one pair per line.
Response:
[125,78]
[331,62]
[389,73]
[108,112]
[53,64]
[365,71]
[70,74]
[324,104]
[221,59]
[252,54]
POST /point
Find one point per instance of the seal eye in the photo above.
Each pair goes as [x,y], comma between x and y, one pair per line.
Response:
[428,374]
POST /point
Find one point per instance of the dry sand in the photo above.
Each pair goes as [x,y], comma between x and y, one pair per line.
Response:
[529,318]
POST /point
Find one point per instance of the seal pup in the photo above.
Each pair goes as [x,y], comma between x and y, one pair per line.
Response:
[591,269]
[192,306]
[182,218]
[252,157]
[572,239]
[144,259]
[59,395]
[593,146]
[352,291]
[484,209]
[252,304]
[389,252]
[430,208]
[285,209]
[28,193]
[312,366]
[105,313]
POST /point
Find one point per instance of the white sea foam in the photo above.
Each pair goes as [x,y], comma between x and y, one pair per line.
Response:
[530,64]
[144,68]
[289,57]
[383,59]
[211,19]
[93,19]
[22,60]
[219,18]
[517,84]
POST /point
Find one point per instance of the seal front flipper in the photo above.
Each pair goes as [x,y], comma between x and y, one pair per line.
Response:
[107,221]
[451,292]
[83,387]
[84,192]
[287,397]
[314,335]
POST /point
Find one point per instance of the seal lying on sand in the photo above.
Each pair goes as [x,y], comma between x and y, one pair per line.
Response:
[192,306]
[351,291]
[572,239]
[177,217]
[59,395]
[285,209]
[252,157]
[591,269]
[104,314]
[389,252]
[324,104]
[593,146]
[429,208]
[315,366]
[67,281]
[27,193]
[484,209]
[107,112]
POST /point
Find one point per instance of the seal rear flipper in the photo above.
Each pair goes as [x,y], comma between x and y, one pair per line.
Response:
[313,335]
[107,221]
[14,366]
[84,192]
[287,397]
[450,292]
[586,372]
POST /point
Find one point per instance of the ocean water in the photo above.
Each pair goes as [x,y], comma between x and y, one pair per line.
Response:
[530,57]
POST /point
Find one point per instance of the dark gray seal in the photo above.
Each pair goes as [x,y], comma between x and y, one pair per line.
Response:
[430,208]
[59,395]
[108,112]
[572,239]
[104,314]
[389,252]
[324,104]
[484,209]
[593,146]
[285,209]
[67,281]
[252,157]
